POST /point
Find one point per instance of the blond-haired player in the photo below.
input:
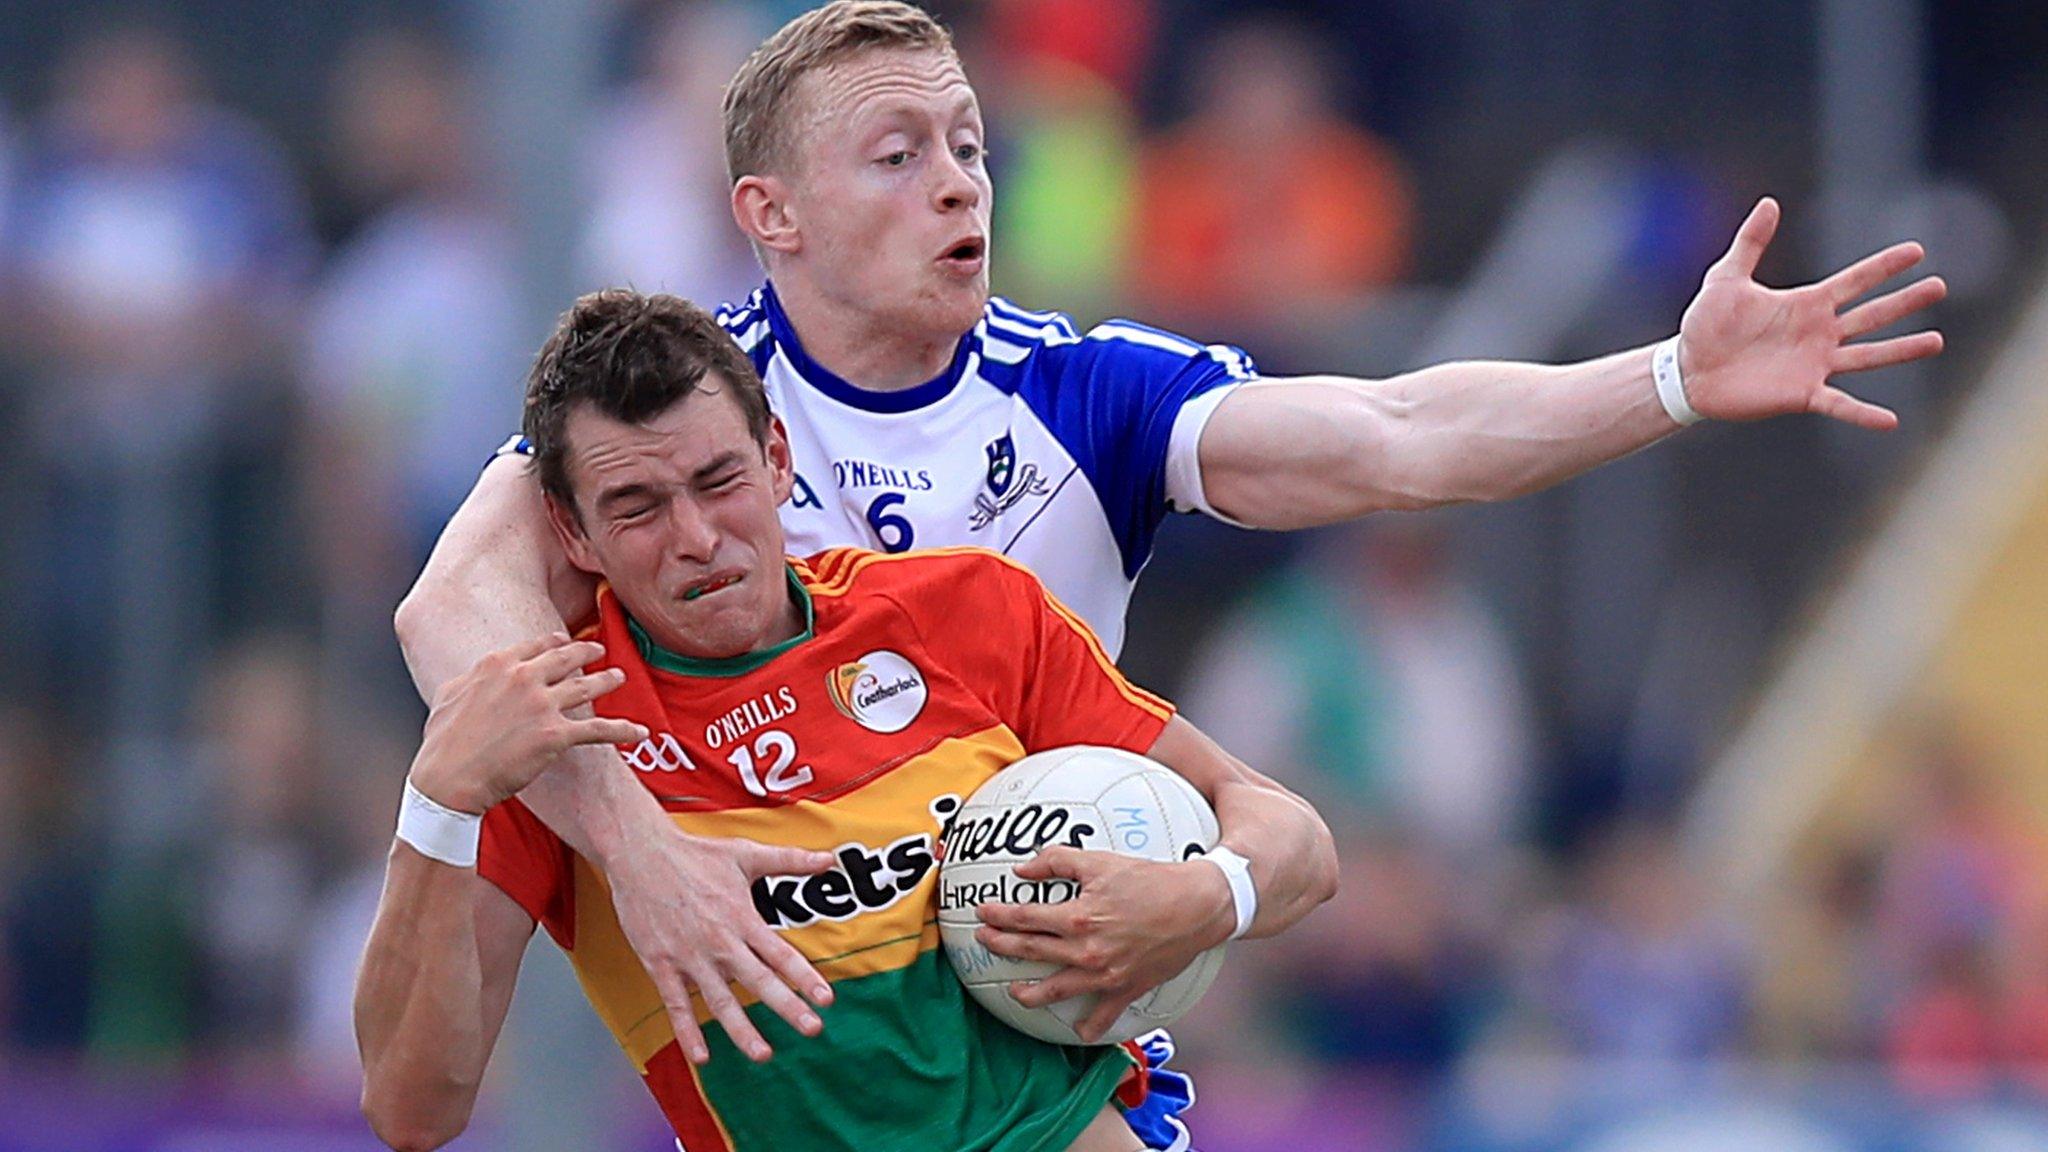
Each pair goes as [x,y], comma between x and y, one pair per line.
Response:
[922,411]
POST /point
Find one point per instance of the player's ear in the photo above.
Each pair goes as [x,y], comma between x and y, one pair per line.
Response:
[568,528]
[761,207]
[780,464]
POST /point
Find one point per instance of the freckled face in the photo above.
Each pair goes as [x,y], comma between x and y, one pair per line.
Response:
[890,192]
[678,514]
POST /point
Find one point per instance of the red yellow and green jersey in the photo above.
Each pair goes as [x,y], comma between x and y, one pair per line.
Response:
[916,678]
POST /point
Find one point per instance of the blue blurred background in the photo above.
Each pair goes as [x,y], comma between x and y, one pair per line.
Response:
[1694,805]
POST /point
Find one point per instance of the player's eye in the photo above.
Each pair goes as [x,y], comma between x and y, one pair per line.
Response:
[723,482]
[969,153]
[636,513]
[896,159]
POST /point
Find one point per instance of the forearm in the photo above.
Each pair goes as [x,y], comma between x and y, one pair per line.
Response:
[421,1019]
[497,577]
[1293,860]
[1304,451]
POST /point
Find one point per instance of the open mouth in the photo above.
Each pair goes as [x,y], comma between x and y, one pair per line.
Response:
[966,252]
[715,584]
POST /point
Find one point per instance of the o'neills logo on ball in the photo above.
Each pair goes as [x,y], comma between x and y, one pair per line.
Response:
[881,691]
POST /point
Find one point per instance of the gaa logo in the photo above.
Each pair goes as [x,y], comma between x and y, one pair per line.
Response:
[881,691]
[663,753]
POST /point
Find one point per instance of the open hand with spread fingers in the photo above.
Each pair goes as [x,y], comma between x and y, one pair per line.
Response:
[500,724]
[1748,352]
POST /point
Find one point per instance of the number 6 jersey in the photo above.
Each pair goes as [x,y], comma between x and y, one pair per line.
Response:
[1060,449]
[916,678]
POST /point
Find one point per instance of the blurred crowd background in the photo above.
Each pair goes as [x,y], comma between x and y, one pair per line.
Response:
[270,276]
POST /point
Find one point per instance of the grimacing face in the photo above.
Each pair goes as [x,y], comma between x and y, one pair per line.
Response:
[889,192]
[678,514]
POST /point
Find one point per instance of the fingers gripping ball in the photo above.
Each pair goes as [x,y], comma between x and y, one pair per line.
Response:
[1099,799]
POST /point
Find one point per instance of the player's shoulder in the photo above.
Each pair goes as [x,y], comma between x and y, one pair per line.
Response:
[954,574]
[1052,343]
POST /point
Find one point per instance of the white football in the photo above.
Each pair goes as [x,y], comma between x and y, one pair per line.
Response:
[1103,799]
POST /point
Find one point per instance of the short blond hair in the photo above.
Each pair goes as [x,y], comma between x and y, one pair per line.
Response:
[758,100]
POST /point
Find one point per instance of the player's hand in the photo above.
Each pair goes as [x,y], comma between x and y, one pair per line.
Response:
[497,726]
[1135,925]
[1748,352]
[686,906]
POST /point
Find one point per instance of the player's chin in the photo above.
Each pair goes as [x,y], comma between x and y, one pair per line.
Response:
[956,304]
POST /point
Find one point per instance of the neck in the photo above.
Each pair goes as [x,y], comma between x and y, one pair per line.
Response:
[859,347]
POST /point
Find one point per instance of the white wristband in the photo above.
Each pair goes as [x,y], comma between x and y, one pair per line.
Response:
[1243,895]
[1670,385]
[438,832]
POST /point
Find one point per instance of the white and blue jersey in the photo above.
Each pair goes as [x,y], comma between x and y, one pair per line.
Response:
[1060,449]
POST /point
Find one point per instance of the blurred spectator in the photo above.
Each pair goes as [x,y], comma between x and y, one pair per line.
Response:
[1056,75]
[1374,680]
[661,215]
[1639,968]
[46,880]
[361,785]
[146,272]
[1959,923]
[1386,977]
[415,350]
[1265,203]
[7,160]
[203,941]
[1819,996]
[1960,875]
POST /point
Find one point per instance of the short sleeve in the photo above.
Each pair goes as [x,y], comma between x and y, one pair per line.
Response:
[531,865]
[1043,670]
[1115,401]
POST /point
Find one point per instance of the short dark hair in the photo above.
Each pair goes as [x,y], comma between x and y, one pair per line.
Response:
[631,357]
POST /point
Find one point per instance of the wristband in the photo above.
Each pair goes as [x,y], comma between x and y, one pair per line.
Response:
[1670,385]
[1244,897]
[438,832]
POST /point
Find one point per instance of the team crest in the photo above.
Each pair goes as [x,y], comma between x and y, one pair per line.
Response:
[1007,484]
[1002,463]
[881,691]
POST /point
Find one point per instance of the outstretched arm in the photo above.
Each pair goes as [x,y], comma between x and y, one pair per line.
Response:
[1137,923]
[1303,451]
[497,577]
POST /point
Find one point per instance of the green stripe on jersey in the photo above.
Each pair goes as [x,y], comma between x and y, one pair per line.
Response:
[907,1062]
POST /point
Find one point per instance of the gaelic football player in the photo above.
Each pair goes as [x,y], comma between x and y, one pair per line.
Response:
[923,412]
[664,471]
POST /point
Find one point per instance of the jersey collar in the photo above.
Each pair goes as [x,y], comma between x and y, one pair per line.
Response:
[739,665]
[867,399]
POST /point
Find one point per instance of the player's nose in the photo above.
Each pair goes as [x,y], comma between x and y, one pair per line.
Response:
[954,186]
[691,533]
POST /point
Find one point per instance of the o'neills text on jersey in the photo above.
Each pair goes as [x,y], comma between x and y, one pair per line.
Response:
[763,709]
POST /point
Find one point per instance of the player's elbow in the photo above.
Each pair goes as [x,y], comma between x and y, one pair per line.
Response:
[409,620]
[1324,869]
[408,1122]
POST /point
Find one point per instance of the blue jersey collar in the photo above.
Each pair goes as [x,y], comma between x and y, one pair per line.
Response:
[867,399]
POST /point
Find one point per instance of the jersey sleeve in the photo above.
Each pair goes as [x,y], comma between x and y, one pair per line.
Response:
[1122,391]
[1042,669]
[530,864]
